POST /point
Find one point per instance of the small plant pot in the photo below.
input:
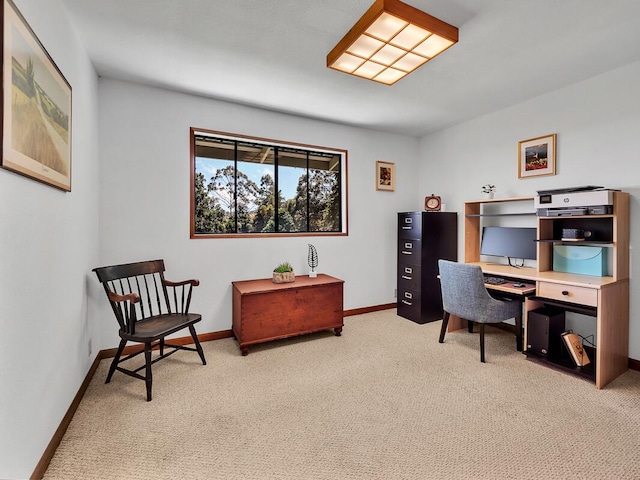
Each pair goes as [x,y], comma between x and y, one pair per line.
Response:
[283,277]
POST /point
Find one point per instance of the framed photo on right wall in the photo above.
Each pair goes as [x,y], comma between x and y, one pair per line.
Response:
[537,156]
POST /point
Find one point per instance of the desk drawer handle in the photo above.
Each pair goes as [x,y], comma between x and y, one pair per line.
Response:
[407,278]
[407,228]
[407,253]
[565,292]
[407,303]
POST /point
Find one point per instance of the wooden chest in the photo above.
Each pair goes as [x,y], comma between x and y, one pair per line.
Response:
[264,311]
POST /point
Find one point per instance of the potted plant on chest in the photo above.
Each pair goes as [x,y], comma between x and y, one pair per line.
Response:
[283,273]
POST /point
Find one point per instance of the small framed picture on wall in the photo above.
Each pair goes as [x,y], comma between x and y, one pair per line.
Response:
[385,176]
[537,156]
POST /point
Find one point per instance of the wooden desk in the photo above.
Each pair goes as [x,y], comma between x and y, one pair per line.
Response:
[606,298]
[603,297]
[264,311]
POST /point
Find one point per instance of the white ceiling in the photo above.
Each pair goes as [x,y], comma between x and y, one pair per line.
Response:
[272,54]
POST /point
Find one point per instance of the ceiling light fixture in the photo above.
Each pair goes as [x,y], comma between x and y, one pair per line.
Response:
[391,40]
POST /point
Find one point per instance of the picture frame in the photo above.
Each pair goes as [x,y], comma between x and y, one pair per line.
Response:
[36,106]
[537,156]
[385,176]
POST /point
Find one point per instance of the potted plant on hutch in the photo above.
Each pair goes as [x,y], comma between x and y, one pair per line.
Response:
[489,190]
[283,273]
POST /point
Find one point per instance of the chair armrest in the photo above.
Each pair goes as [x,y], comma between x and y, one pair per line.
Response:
[125,310]
[129,297]
[193,283]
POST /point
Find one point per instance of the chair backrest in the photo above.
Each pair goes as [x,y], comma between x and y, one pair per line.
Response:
[144,279]
[463,291]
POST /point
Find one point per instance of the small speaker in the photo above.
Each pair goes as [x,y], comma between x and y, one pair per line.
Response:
[544,326]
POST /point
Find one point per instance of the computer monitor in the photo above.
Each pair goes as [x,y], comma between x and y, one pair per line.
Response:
[511,242]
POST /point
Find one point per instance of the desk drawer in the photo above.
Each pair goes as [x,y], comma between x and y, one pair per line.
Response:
[568,293]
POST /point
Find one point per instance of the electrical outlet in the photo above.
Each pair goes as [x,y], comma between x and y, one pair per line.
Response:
[395,293]
[90,349]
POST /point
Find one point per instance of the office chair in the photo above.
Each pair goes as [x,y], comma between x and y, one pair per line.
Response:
[465,295]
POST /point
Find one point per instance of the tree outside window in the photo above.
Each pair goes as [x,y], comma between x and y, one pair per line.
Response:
[235,183]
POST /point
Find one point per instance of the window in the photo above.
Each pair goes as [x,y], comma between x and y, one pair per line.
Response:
[235,180]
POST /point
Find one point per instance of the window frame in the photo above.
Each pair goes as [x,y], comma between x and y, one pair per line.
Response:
[193,132]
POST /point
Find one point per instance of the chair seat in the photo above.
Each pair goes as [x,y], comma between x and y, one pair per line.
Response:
[159,326]
[496,311]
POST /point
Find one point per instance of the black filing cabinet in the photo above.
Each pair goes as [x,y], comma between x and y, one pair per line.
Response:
[423,238]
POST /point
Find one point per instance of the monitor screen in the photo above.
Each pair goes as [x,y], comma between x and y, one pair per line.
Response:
[511,242]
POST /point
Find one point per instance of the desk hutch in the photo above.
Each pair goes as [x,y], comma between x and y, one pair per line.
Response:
[606,298]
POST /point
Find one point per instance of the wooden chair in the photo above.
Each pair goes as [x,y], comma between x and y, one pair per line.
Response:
[148,308]
[465,296]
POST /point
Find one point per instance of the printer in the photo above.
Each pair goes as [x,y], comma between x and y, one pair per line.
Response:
[585,200]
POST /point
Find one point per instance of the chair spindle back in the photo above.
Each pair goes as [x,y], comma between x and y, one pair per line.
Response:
[147,291]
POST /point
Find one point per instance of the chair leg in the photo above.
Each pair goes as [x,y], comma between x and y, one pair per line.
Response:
[519,333]
[197,343]
[148,377]
[443,329]
[116,359]
[482,342]
[470,326]
[161,346]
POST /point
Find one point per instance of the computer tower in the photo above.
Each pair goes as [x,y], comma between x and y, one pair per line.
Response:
[544,327]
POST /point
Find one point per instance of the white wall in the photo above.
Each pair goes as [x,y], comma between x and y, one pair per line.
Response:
[144,208]
[48,244]
[597,122]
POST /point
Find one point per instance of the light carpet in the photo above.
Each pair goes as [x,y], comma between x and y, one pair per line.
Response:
[383,401]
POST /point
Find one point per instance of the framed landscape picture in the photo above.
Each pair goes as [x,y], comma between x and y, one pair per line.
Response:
[36,106]
[537,156]
[385,176]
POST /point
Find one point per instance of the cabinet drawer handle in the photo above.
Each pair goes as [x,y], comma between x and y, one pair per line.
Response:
[406,278]
[565,292]
[407,303]
[407,228]
[407,253]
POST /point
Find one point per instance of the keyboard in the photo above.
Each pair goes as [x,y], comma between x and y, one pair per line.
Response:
[494,280]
